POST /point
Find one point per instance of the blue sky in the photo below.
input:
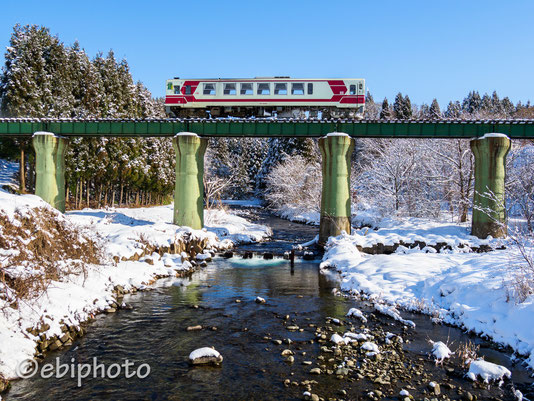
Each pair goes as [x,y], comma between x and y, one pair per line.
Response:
[424,49]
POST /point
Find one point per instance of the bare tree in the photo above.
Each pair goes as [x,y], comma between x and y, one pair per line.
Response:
[295,183]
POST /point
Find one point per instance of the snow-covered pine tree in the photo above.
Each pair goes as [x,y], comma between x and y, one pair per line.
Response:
[385,112]
[407,108]
[435,112]
[398,106]
[472,103]
[454,110]
[372,110]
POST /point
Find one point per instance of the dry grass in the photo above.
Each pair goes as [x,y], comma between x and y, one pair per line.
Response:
[468,352]
[39,247]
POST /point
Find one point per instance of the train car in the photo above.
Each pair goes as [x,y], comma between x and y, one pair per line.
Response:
[265,96]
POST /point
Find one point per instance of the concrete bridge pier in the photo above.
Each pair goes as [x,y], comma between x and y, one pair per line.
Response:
[336,150]
[50,168]
[189,188]
[489,213]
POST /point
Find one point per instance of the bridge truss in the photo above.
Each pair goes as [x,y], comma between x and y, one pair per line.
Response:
[236,127]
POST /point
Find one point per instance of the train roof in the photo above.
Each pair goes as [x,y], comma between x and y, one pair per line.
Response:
[263,78]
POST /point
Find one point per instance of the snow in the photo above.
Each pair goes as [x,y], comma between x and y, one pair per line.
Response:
[122,233]
[300,215]
[336,134]
[487,371]
[355,336]
[467,289]
[204,352]
[440,351]
[355,312]
[186,134]
[493,135]
[390,311]
[337,339]
[370,346]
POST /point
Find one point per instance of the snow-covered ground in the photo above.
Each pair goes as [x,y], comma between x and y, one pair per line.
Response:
[300,215]
[471,290]
[121,233]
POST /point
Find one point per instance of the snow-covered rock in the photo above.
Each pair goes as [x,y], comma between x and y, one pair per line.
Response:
[355,312]
[440,351]
[487,371]
[205,355]
[370,346]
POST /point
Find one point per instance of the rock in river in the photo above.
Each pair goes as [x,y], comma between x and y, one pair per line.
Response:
[205,355]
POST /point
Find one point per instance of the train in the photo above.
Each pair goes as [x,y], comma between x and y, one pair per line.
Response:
[282,97]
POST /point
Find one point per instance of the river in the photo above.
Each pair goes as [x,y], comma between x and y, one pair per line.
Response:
[246,333]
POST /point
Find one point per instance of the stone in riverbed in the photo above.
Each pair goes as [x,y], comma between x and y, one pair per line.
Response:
[194,328]
[205,356]
[315,371]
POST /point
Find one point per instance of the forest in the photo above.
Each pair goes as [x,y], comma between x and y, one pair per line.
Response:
[44,77]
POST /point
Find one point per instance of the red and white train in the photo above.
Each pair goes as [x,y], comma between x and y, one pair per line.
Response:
[261,97]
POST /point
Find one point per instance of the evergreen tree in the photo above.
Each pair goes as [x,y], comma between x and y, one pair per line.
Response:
[372,110]
[472,103]
[402,107]
[486,106]
[434,111]
[496,104]
[385,113]
[454,110]
[398,106]
[407,108]
[507,107]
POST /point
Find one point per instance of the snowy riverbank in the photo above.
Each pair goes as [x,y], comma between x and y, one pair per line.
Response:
[127,240]
[476,291]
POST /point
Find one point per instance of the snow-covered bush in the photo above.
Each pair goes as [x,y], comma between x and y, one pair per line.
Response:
[396,176]
[295,183]
[520,184]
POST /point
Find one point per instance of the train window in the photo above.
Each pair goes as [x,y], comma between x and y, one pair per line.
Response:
[297,89]
[310,89]
[209,89]
[176,89]
[169,86]
[246,89]
[188,89]
[280,89]
[361,86]
[229,89]
[264,89]
[352,90]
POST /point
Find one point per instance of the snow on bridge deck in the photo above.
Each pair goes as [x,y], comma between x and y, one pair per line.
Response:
[267,127]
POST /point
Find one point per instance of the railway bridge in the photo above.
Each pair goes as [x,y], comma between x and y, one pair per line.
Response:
[490,142]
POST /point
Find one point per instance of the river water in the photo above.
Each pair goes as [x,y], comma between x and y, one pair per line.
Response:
[155,333]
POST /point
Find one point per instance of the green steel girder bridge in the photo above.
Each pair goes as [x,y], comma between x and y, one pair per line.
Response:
[237,127]
[490,143]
